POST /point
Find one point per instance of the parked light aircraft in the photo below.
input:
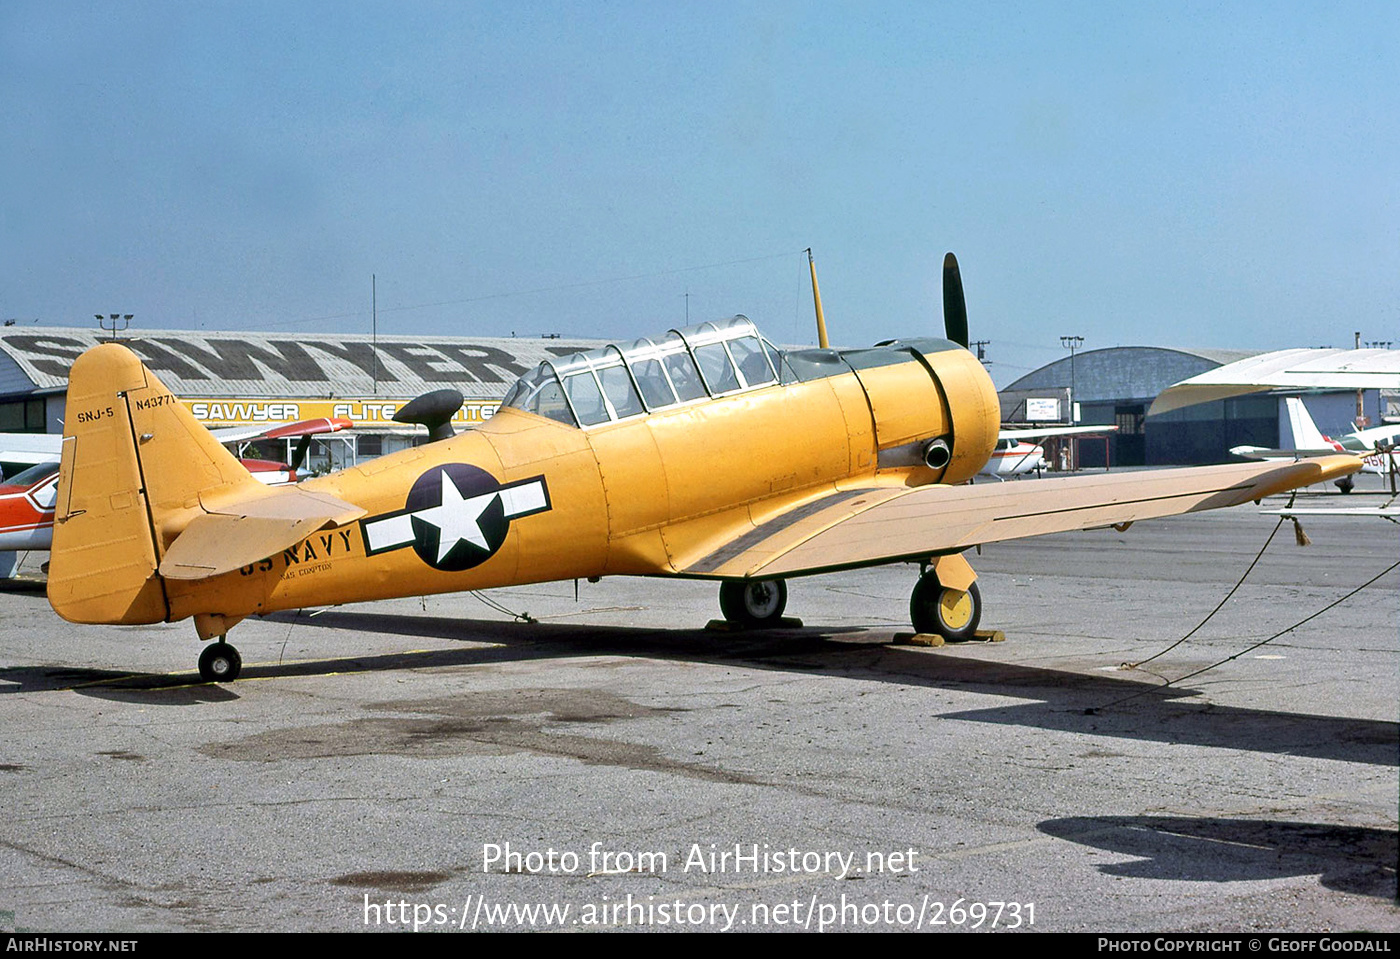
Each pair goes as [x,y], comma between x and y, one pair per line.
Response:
[27,501]
[1014,456]
[26,508]
[34,449]
[1375,446]
[27,497]
[706,454]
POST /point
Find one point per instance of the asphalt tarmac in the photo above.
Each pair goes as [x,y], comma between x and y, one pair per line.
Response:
[613,764]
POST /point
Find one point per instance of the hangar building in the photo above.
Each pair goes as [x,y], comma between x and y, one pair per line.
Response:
[1117,386]
[228,379]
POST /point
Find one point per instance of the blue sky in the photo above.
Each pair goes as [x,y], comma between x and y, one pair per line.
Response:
[1177,174]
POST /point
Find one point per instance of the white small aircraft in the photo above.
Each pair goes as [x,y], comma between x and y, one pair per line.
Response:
[1376,446]
[1013,456]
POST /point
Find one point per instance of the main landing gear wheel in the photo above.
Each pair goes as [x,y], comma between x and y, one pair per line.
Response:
[951,613]
[1346,484]
[219,663]
[753,602]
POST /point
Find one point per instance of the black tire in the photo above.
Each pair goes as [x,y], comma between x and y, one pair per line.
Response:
[219,663]
[1346,484]
[949,613]
[753,602]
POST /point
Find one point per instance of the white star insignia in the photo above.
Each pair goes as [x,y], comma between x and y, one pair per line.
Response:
[457,518]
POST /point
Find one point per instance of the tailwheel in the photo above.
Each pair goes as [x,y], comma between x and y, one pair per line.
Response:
[219,663]
[950,613]
[753,602]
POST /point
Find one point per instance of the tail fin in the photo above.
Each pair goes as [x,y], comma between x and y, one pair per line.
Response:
[1306,435]
[135,466]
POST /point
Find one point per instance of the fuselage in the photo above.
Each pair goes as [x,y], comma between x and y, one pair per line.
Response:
[1015,458]
[27,507]
[615,462]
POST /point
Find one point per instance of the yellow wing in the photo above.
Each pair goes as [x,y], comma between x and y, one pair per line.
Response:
[862,527]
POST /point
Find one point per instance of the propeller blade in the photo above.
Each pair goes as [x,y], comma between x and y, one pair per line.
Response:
[954,306]
[299,457]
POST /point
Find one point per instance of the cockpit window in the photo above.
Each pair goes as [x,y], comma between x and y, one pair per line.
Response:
[538,391]
[586,398]
[617,386]
[650,375]
[716,368]
[753,364]
[680,367]
[31,475]
[778,360]
[614,383]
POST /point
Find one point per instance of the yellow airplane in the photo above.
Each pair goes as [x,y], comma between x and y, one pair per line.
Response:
[707,453]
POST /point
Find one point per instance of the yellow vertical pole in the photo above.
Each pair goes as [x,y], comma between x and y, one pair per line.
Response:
[817,298]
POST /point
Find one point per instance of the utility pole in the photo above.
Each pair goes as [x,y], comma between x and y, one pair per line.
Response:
[1361,421]
[1072,343]
[374,328]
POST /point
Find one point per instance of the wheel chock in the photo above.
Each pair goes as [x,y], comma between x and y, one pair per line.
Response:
[934,640]
[919,639]
[726,626]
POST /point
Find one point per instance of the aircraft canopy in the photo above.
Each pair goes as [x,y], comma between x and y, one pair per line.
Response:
[618,382]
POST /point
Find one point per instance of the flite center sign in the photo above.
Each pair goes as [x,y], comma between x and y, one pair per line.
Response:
[228,411]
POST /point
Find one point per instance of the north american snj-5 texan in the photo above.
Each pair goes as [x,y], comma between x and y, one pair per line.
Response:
[706,453]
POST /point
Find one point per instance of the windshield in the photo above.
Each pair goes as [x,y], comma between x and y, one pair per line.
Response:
[32,475]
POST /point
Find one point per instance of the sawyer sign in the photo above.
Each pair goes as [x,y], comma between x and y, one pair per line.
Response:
[260,364]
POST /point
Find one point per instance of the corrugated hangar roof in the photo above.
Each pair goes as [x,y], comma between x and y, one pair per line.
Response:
[1126,372]
[277,365]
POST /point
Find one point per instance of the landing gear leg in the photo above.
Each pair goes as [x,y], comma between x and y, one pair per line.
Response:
[753,602]
[944,609]
[219,663]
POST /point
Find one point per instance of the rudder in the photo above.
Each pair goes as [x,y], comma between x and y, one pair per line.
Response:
[135,465]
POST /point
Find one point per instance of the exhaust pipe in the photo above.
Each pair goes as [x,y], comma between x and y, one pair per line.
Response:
[937,454]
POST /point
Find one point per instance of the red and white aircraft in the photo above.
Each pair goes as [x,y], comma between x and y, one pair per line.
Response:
[1013,456]
[26,508]
[1376,446]
[27,498]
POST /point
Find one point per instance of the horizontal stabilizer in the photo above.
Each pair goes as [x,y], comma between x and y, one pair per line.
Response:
[233,535]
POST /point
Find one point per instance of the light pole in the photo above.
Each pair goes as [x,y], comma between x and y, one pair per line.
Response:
[1072,343]
[114,329]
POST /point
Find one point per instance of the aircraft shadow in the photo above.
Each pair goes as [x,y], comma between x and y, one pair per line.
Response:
[1058,699]
[1052,698]
[1348,858]
[178,689]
